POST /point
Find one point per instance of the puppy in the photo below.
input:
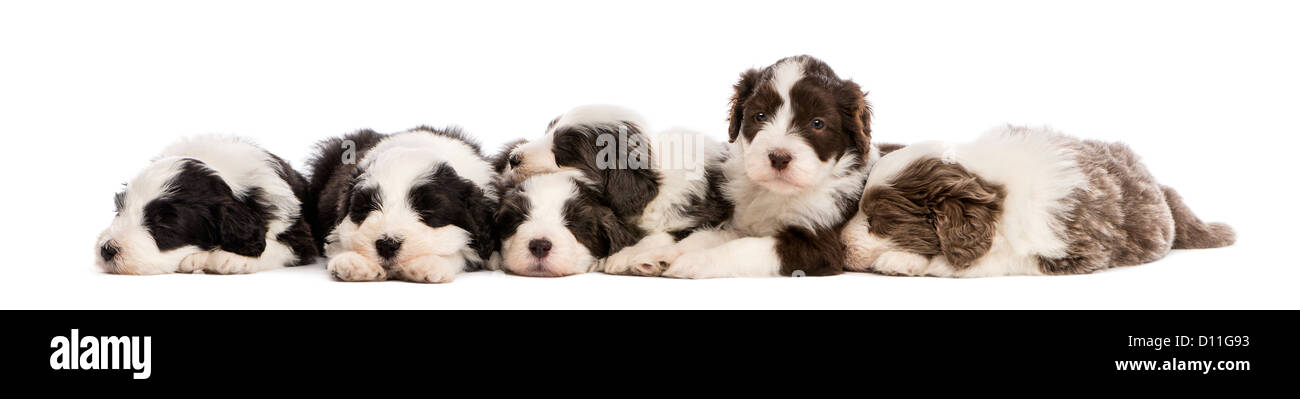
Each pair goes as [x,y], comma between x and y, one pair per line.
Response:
[413,206]
[663,183]
[1018,201]
[800,148]
[556,224]
[214,204]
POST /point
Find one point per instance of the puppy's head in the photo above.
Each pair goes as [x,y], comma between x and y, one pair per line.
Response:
[604,142]
[174,208]
[794,120]
[404,204]
[931,207]
[556,225]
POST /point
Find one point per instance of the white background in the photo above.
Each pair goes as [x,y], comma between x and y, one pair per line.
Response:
[1208,93]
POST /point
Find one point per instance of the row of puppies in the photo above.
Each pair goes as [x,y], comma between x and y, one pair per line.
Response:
[425,205]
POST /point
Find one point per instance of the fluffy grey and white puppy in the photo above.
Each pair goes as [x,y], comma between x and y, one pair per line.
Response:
[216,204]
[413,206]
[1018,201]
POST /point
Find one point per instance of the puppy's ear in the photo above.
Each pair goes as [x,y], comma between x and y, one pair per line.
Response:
[242,230]
[621,171]
[502,157]
[615,231]
[855,111]
[965,216]
[744,88]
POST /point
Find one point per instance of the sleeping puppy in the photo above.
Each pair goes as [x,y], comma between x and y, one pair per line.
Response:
[556,224]
[799,153]
[412,206]
[214,204]
[662,183]
[1018,201]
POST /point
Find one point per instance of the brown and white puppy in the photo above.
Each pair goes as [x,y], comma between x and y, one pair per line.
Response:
[800,148]
[413,206]
[557,224]
[1018,201]
[215,204]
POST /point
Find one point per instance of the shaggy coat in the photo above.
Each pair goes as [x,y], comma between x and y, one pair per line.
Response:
[1018,201]
[215,204]
[663,185]
[799,151]
[413,206]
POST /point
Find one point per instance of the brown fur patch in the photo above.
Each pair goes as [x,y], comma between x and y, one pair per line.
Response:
[820,94]
[1122,219]
[936,208]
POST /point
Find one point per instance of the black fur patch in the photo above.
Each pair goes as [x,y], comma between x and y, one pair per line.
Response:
[333,169]
[201,210]
[625,190]
[445,198]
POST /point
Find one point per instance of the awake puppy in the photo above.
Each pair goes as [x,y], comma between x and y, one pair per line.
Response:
[556,224]
[1018,201]
[800,150]
[214,204]
[414,206]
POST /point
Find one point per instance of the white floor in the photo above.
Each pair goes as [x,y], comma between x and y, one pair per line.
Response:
[1240,277]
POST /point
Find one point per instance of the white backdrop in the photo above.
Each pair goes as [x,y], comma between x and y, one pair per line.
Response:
[89,91]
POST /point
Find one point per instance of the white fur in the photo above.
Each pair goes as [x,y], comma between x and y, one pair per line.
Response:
[1038,170]
[393,166]
[547,195]
[242,166]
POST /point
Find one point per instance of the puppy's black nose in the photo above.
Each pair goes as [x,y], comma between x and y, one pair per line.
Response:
[515,160]
[387,247]
[108,251]
[780,159]
[539,247]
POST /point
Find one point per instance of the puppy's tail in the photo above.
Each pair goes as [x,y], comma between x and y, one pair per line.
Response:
[1190,232]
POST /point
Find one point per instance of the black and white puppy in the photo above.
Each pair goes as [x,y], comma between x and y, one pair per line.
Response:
[413,206]
[215,204]
[799,154]
[557,224]
[659,182]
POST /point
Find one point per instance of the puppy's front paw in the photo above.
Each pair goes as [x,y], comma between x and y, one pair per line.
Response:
[693,265]
[194,262]
[351,266]
[900,263]
[653,262]
[222,262]
[430,269]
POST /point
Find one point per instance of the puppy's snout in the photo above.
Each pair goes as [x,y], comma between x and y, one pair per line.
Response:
[539,247]
[387,247]
[514,160]
[779,159]
[108,251]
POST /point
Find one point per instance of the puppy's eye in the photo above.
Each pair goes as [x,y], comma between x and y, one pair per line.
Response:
[515,159]
[761,117]
[818,124]
[119,200]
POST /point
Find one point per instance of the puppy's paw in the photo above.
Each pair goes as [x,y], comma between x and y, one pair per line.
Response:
[222,262]
[698,264]
[431,269]
[351,266]
[653,262]
[900,263]
[195,262]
